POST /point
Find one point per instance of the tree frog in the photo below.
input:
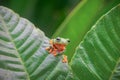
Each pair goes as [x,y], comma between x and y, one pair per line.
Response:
[57,46]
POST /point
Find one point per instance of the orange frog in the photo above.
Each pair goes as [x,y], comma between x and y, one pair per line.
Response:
[57,46]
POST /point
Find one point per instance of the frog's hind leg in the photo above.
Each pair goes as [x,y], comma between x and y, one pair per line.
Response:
[64,60]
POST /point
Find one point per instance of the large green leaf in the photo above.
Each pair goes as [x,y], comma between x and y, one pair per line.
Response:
[98,55]
[80,20]
[22,51]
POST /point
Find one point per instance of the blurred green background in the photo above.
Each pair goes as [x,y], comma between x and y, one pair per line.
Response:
[45,14]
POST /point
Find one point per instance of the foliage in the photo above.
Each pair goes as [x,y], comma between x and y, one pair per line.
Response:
[98,55]
[22,51]
[22,46]
[80,20]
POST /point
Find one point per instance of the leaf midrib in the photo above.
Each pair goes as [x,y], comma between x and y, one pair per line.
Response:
[118,61]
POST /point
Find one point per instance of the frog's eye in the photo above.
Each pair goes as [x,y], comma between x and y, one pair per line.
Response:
[68,40]
[58,39]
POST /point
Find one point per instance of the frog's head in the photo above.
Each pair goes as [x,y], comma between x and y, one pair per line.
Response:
[60,40]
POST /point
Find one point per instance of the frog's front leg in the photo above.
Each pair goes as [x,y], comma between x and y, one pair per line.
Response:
[54,52]
[49,49]
[64,59]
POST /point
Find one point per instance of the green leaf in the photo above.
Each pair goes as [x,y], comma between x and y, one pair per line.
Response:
[22,51]
[80,20]
[98,55]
